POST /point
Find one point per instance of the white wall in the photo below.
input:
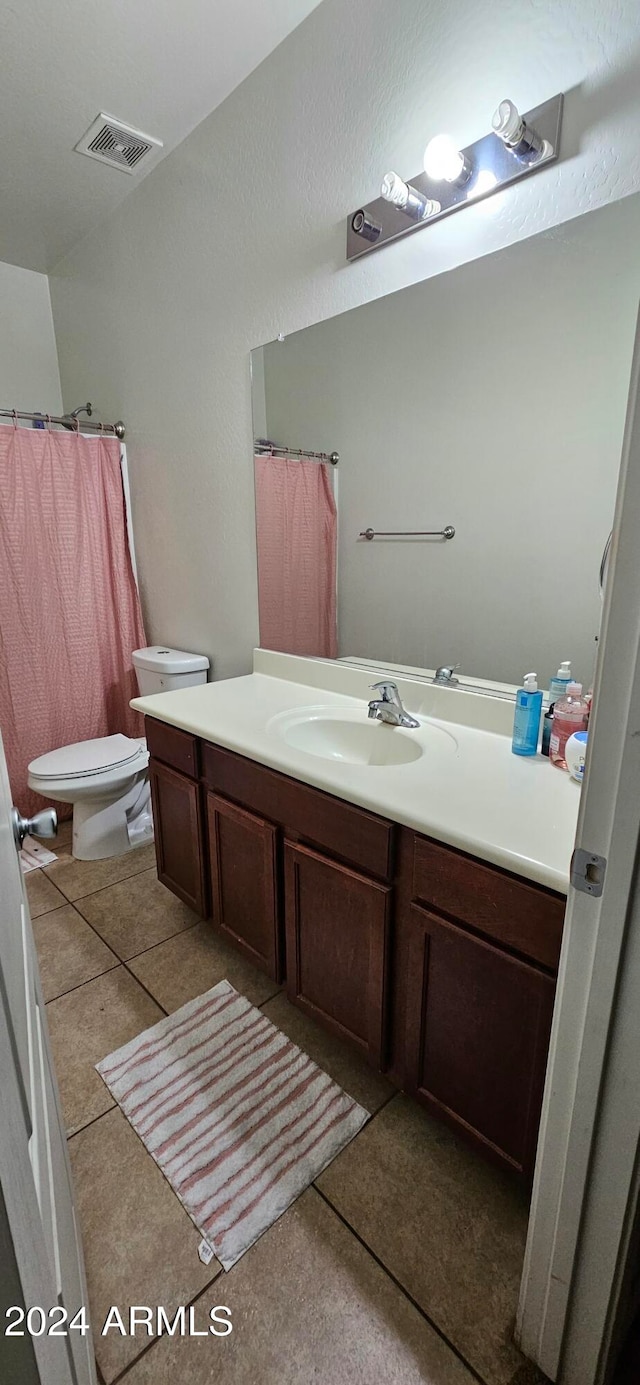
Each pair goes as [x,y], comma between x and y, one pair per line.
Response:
[239,234]
[29,375]
[492,398]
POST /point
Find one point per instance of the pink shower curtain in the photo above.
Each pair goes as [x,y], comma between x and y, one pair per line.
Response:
[296,532]
[69,608]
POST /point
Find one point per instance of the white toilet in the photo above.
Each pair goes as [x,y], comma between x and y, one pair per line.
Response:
[107,779]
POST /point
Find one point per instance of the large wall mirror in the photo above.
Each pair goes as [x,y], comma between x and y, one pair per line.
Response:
[492,399]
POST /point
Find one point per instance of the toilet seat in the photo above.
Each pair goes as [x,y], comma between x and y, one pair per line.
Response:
[84,759]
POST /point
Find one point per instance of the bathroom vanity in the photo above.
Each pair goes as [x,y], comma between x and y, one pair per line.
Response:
[438,965]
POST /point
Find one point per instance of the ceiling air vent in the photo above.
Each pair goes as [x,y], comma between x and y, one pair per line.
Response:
[113,142]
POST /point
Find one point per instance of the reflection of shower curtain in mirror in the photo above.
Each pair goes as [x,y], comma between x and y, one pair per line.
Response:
[69,609]
[296,524]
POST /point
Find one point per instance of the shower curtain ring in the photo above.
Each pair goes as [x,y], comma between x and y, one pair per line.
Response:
[15,418]
[48,418]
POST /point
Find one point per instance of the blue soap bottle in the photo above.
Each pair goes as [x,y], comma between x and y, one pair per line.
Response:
[526,721]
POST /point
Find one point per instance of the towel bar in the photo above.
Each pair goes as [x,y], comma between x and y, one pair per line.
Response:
[446,533]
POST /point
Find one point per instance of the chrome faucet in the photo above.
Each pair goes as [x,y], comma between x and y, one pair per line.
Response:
[445,676]
[388,707]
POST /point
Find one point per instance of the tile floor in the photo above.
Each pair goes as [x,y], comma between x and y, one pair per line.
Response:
[400,1265]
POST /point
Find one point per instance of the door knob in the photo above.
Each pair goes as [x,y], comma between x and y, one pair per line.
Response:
[44,824]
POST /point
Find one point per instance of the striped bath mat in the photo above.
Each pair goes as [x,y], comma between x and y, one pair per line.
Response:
[237,1117]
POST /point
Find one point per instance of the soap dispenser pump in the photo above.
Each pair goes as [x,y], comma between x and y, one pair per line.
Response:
[526,721]
[558,685]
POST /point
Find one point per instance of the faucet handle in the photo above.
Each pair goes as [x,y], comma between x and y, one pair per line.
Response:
[445,673]
[388,690]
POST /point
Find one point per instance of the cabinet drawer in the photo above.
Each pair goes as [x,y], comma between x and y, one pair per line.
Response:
[524,917]
[306,814]
[173,747]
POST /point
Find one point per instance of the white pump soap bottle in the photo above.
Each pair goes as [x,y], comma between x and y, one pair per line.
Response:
[558,685]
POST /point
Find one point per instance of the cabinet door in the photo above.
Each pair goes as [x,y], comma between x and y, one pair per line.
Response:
[177,823]
[478,1023]
[337,924]
[244,882]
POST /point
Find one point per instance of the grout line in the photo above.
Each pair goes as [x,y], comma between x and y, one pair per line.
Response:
[110,886]
[117,963]
[80,1128]
[405,1292]
[152,946]
[143,951]
[142,985]
[154,1340]
[134,956]
[378,1110]
[66,904]
[279,991]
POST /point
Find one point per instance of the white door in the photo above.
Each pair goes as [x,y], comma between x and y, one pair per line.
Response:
[38,1231]
[583,1232]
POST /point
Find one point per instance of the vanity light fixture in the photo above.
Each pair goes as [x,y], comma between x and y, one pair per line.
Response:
[413,203]
[444,163]
[516,146]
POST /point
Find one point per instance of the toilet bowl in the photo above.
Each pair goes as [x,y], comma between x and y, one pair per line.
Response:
[107,779]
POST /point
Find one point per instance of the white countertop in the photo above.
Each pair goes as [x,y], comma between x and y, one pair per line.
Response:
[467,789]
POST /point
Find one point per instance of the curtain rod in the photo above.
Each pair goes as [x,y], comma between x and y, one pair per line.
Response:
[69,421]
[264,448]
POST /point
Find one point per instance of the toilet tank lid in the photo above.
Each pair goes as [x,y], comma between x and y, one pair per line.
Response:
[160,659]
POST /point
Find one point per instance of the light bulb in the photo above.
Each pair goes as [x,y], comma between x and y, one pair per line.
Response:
[394,189]
[407,198]
[520,138]
[508,123]
[444,163]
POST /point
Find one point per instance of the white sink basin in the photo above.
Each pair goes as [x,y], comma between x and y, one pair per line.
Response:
[352,738]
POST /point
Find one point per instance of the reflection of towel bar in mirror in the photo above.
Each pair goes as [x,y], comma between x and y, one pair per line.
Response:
[447,533]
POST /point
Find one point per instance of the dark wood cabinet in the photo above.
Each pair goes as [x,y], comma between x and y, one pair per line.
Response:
[337,929]
[245,893]
[478,1022]
[177,818]
[438,967]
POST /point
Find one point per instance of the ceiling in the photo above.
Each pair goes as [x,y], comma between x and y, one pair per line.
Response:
[160,67]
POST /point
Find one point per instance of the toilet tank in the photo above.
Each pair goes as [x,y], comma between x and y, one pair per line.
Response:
[159,669]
